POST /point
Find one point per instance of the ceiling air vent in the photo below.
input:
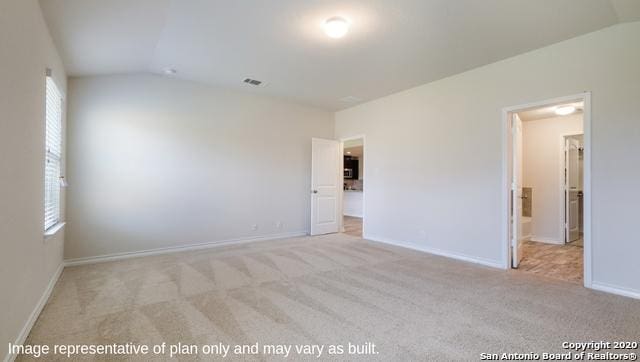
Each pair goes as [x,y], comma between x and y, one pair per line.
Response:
[252,81]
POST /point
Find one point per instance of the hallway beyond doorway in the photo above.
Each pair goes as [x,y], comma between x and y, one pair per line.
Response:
[353,226]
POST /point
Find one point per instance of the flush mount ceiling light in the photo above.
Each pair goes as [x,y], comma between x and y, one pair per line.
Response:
[169,71]
[564,110]
[350,99]
[336,27]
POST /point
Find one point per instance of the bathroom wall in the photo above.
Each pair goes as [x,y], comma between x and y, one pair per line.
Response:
[543,163]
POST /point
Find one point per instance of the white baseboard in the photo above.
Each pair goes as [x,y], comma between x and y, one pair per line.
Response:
[546,240]
[26,329]
[175,249]
[353,215]
[614,289]
[448,254]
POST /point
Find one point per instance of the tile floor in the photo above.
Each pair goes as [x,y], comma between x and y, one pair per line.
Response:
[562,262]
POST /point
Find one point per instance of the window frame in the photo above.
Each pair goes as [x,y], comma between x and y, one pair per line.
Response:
[53,153]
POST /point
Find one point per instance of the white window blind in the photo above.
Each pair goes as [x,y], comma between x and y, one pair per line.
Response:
[53,156]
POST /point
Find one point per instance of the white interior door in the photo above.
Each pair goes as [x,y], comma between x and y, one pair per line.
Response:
[326,184]
[572,188]
[516,192]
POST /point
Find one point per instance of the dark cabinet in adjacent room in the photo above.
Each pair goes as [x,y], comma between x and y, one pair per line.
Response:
[350,168]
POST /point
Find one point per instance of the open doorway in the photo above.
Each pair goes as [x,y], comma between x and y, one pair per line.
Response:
[548,188]
[353,186]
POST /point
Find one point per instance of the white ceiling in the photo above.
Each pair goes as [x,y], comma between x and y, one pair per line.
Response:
[392,44]
[548,111]
[356,151]
[353,143]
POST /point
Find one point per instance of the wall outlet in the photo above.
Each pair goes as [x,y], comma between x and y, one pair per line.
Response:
[254,227]
[423,234]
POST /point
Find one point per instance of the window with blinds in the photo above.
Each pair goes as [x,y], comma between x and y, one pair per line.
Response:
[53,156]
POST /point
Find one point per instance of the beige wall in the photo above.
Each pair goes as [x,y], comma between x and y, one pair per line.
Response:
[543,162]
[156,162]
[444,141]
[27,261]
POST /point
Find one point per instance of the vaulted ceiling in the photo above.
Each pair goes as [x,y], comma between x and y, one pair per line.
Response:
[392,44]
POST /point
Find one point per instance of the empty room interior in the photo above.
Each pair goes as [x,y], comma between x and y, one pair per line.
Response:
[319,180]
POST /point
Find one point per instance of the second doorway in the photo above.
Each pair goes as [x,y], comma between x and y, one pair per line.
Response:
[353,186]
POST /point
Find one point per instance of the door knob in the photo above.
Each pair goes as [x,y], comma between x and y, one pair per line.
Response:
[315,191]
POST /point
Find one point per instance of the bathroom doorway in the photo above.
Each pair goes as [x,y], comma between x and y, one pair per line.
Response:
[353,152]
[547,188]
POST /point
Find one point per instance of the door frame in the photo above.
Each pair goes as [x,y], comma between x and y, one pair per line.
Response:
[517,155]
[507,174]
[364,185]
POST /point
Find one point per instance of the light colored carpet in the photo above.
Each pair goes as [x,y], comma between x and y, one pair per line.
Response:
[331,289]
